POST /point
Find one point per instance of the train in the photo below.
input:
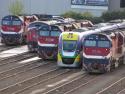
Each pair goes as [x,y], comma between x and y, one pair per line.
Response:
[101,50]
[14,28]
[69,50]
[84,23]
[32,35]
[48,36]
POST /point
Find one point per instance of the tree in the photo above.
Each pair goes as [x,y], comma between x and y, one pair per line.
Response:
[16,7]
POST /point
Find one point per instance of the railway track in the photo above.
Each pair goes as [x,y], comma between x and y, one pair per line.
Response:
[72,85]
[16,58]
[116,88]
[20,69]
[121,92]
[43,77]
[26,75]
[46,82]
[58,85]
[22,84]
[31,82]
[4,47]
[17,67]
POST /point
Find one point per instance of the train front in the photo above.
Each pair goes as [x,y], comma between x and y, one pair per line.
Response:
[48,41]
[69,50]
[96,53]
[32,35]
[11,29]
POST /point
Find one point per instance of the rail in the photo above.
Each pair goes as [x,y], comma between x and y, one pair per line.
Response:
[114,88]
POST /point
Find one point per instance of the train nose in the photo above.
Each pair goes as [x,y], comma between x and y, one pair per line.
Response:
[95,66]
[49,53]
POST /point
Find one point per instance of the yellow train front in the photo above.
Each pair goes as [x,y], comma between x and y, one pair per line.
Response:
[69,49]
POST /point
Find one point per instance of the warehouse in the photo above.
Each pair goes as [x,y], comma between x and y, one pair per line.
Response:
[116,5]
[57,7]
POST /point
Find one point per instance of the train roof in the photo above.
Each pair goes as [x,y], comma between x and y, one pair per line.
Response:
[83,29]
[12,17]
[117,21]
[70,32]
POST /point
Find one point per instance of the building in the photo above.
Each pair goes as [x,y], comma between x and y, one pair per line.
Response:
[116,5]
[57,7]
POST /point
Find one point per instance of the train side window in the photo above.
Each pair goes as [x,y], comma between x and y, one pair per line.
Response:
[44,31]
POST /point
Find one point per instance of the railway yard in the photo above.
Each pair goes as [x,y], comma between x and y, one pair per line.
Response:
[22,72]
[71,53]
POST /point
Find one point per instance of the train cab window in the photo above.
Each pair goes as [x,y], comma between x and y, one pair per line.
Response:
[55,31]
[16,22]
[6,22]
[69,45]
[103,44]
[90,43]
[44,31]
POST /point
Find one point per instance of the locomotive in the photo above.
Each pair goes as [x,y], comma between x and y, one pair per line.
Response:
[47,40]
[84,23]
[103,52]
[13,28]
[32,35]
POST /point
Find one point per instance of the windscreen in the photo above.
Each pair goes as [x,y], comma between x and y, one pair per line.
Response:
[11,20]
[103,43]
[90,43]
[69,45]
[97,43]
[16,22]
[95,40]
[55,31]
[6,22]
[44,31]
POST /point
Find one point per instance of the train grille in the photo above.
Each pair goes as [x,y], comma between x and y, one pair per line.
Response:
[68,60]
